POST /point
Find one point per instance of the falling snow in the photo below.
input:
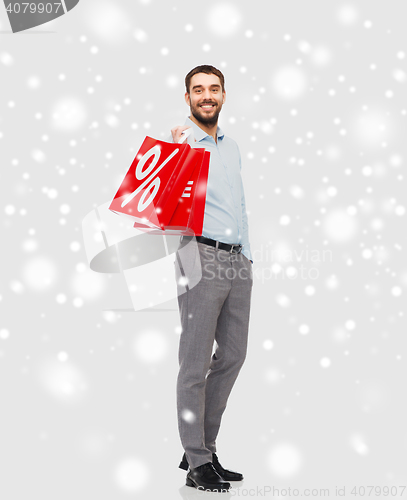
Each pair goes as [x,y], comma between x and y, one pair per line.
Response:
[89,348]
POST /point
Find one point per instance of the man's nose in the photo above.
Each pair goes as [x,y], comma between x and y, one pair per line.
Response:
[207,95]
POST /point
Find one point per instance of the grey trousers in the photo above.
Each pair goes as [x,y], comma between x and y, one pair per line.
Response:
[214,294]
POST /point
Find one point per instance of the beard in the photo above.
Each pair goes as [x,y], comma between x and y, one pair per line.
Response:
[204,117]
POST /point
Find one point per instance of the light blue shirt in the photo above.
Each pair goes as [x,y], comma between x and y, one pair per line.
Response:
[225,217]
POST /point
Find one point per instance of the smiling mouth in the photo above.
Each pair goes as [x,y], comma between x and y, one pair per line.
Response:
[207,106]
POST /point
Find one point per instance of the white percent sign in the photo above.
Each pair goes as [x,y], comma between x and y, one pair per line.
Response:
[143,203]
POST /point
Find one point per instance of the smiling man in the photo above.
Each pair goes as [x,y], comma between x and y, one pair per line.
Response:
[205,107]
[217,308]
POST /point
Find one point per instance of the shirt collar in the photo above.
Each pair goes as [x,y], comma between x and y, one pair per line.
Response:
[200,134]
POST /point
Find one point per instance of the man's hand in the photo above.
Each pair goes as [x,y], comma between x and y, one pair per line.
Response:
[177,131]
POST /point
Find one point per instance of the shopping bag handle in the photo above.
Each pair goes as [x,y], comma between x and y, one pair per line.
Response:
[186,133]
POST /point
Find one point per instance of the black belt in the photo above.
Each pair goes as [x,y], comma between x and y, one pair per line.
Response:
[235,248]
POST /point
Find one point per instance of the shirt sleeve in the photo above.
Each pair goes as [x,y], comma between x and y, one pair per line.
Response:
[245,225]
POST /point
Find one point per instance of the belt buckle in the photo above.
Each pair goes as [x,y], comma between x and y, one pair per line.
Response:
[231,249]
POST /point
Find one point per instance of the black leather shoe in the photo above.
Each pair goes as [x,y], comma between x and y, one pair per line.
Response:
[205,477]
[184,462]
[227,475]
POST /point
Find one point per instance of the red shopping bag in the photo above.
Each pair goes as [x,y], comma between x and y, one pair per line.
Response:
[189,213]
[157,182]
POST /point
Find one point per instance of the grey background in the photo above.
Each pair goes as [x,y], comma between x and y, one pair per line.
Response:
[316,99]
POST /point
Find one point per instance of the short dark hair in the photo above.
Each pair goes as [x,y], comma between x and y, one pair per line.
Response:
[209,70]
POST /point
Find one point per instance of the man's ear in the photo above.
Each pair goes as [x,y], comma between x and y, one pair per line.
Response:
[187,100]
[224,96]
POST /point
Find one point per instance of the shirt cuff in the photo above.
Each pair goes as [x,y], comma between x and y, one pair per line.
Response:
[247,254]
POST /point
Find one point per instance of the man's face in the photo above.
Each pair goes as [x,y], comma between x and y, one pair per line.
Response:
[205,98]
